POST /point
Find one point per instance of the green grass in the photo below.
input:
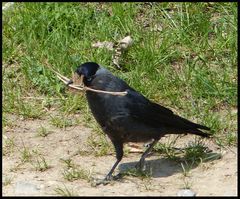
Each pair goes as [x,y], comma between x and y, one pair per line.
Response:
[26,155]
[7,181]
[62,121]
[39,162]
[64,191]
[99,144]
[74,172]
[189,66]
[33,157]
[191,155]
[137,173]
[42,132]
[8,146]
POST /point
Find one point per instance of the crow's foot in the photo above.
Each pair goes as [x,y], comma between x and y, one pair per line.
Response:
[108,179]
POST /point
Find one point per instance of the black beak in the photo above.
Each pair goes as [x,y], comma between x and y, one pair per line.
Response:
[69,82]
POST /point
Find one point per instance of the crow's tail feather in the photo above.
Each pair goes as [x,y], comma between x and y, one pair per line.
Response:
[194,127]
[200,133]
[198,126]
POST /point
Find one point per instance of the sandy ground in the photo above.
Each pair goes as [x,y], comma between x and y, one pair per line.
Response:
[215,178]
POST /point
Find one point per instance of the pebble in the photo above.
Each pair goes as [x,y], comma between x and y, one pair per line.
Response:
[26,188]
[186,192]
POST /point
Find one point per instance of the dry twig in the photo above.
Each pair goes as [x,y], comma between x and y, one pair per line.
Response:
[65,80]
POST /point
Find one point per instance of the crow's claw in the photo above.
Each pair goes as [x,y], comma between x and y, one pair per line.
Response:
[107,179]
[103,182]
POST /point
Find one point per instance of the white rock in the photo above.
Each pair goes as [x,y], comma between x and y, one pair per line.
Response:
[186,192]
[26,188]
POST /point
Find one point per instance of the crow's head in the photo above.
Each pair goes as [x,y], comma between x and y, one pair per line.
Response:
[87,69]
[85,73]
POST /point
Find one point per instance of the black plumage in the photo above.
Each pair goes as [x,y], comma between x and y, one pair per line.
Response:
[129,118]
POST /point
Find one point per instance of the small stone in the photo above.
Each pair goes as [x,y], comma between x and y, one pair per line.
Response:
[26,188]
[186,192]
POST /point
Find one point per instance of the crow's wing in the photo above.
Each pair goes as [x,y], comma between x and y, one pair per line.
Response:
[155,115]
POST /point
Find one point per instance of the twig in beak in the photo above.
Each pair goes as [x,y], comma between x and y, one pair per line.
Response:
[81,80]
[68,82]
[123,93]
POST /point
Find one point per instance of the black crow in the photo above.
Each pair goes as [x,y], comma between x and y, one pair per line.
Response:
[129,118]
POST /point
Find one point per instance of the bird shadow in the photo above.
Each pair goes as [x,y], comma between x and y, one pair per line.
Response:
[164,167]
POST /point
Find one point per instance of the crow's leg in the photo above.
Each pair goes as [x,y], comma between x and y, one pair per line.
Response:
[140,164]
[119,154]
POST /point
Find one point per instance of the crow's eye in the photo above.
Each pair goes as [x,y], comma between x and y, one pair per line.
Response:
[89,79]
